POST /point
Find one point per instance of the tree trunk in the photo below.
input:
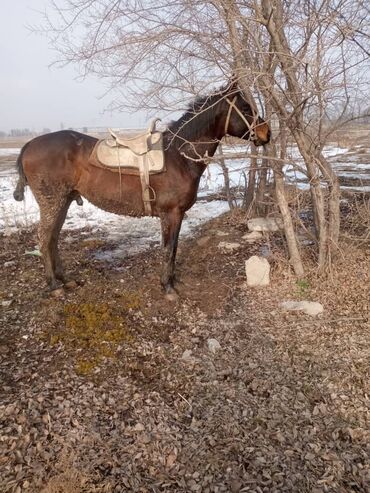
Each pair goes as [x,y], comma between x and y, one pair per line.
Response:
[251,188]
[294,254]
[225,172]
[261,207]
[318,199]
[334,206]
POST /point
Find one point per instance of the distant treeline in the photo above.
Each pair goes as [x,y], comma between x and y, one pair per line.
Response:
[26,132]
[22,132]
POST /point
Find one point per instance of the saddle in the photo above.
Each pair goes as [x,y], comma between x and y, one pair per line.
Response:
[133,154]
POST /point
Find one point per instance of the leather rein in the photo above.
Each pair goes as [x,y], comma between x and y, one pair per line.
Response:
[251,127]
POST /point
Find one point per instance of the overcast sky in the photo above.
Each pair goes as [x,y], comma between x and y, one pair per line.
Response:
[34,95]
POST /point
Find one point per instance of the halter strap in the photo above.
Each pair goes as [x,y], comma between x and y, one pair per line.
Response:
[227,122]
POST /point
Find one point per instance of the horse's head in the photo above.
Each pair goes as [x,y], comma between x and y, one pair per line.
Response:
[242,121]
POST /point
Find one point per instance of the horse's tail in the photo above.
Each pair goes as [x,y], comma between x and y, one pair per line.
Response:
[18,193]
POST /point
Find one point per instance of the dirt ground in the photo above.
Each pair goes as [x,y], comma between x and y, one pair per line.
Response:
[114,389]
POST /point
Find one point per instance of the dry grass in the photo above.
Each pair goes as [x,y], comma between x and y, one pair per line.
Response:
[355,213]
[282,407]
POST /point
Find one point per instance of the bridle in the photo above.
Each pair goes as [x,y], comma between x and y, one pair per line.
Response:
[251,127]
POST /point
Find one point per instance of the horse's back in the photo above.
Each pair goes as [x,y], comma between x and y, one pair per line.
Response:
[52,158]
[57,144]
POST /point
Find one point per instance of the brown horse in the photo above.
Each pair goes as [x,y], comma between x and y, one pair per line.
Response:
[56,167]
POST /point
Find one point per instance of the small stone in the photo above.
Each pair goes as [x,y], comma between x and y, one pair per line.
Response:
[186,355]
[265,224]
[6,303]
[228,247]
[34,252]
[265,250]
[221,233]
[139,427]
[71,284]
[252,236]
[213,345]
[57,293]
[203,240]
[312,308]
[257,270]
[9,263]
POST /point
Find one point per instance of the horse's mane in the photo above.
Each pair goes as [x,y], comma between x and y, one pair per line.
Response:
[199,115]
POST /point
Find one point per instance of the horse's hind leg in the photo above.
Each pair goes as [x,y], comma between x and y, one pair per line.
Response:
[53,212]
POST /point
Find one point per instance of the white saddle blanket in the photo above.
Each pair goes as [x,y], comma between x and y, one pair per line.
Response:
[132,153]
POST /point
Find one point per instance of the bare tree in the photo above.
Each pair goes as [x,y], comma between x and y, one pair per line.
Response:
[304,65]
[304,59]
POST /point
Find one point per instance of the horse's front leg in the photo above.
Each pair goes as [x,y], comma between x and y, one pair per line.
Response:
[171,224]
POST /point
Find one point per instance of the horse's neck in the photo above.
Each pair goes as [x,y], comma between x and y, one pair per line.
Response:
[197,143]
[196,154]
[201,144]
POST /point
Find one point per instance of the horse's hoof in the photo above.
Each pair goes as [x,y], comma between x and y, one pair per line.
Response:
[71,284]
[57,293]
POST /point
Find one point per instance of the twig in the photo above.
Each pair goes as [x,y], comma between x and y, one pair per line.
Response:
[183,398]
[239,155]
[335,320]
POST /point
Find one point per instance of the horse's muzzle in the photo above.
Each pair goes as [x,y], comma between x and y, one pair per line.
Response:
[262,134]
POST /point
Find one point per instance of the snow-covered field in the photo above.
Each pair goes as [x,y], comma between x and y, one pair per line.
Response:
[135,234]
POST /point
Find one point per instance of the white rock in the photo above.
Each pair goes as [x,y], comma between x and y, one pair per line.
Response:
[257,270]
[228,247]
[252,236]
[186,355]
[265,224]
[34,252]
[312,308]
[221,233]
[9,263]
[213,345]
[6,303]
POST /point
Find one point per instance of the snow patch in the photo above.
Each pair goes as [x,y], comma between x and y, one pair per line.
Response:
[132,234]
[9,151]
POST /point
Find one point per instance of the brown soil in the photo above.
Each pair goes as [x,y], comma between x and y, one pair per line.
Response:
[97,396]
